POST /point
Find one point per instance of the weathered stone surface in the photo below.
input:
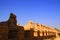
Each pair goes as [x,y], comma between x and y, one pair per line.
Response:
[9,30]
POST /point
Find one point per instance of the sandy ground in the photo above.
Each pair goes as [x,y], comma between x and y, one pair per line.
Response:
[58,38]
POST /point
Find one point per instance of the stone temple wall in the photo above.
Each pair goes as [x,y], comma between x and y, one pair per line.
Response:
[9,30]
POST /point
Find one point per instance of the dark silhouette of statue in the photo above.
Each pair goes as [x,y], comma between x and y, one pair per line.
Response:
[12,20]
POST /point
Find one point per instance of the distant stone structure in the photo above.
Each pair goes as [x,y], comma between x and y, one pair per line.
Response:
[9,30]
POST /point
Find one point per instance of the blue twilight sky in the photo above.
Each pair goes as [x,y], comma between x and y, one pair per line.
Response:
[45,12]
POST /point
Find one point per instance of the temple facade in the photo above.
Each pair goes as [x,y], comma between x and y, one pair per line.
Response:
[9,30]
